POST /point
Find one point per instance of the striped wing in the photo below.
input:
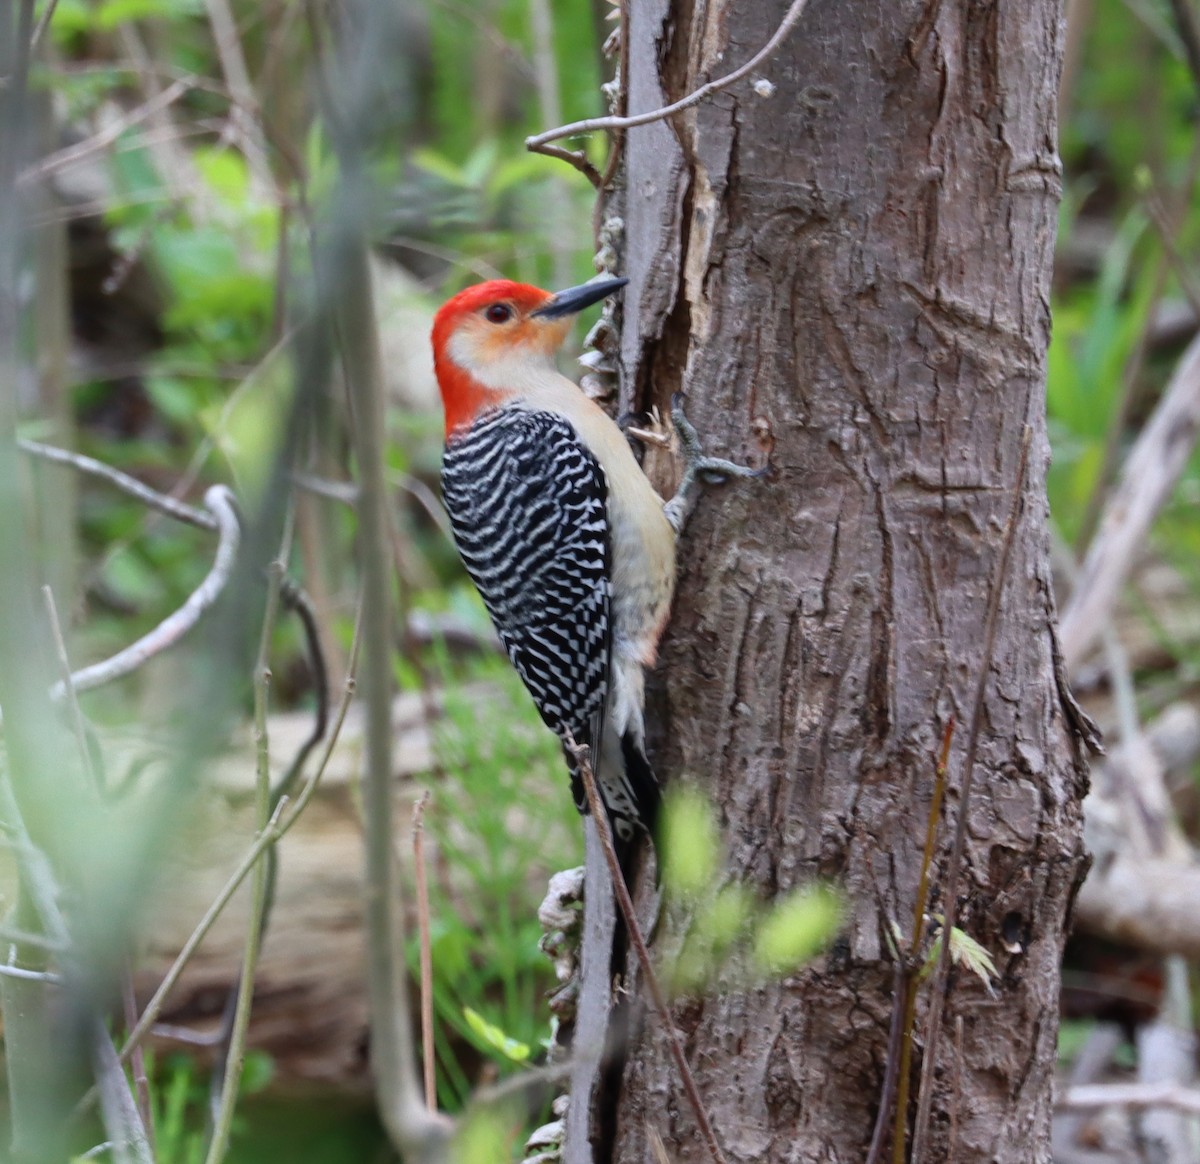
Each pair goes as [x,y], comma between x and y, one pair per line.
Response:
[528,504]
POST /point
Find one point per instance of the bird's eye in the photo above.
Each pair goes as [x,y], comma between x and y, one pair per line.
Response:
[498,313]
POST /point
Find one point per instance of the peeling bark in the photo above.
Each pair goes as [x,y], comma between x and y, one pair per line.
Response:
[851,276]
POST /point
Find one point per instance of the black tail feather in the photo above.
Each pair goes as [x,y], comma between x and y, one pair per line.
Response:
[640,816]
[643,783]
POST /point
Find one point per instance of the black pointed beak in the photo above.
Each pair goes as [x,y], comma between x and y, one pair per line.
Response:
[575,299]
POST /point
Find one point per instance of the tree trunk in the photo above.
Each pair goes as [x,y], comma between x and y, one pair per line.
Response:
[850,274]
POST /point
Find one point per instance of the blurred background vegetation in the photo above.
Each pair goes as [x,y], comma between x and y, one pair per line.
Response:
[183,156]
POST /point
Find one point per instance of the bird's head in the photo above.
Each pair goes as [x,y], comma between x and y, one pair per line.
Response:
[489,339]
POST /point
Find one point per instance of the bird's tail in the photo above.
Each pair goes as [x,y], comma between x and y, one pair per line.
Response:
[628,789]
[631,795]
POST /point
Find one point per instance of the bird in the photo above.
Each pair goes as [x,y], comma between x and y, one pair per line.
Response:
[568,543]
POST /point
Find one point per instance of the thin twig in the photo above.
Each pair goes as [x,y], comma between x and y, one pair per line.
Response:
[898,1064]
[937,1000]
[576,158]
[245,119]
[168,632]
[122,1123]
[549,1074]
[1189,35]
[591,124]
[295,598]
[71,155]
[244,991]
[582,757]
[64,666]
[955,1088]
[151,498]
[891,1068]
[277,827]
[266,838]
[422,887]
[42,24]
[1179,264]
[137,1065]
[47,976]
[911,978]
[26,938]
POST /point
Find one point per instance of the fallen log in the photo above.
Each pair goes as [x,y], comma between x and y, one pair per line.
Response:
[310,1007]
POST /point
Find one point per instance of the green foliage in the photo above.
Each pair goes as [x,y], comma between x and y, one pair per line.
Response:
[492,1037]
[690,847]
[488,1135]
[730,935]
[179,1097]
[1130,138]
[796,929]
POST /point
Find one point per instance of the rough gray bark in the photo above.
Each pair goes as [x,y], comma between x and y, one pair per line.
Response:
[852,275]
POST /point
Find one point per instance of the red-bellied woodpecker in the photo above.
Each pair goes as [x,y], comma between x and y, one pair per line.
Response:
[571,548]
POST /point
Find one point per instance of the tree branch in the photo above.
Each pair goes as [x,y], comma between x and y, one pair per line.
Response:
[1148,478]
[220,503]
[1093,1096]
[123,481]
[589,125]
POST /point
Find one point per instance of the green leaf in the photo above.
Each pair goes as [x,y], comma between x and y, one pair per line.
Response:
[690,846]
[970,955]
[796,929]
[113,13]
[226,173]
[440,166]
[966,952]
[727,916]
[494,1038]
[258,1069]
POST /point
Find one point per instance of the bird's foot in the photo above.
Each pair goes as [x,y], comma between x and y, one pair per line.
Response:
[647,427]
[700,469]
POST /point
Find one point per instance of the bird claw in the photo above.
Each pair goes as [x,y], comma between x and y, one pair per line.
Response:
[700,468]
[646,427]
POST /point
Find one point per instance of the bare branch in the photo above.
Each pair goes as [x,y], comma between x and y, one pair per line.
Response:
[46,976]
[590,124]
[231,1067]
[245,116]
[1147,902]
[905,1003]
[123,481]
[1093,1096]
[72,155]
[576,158]
[422,889]
[42,24]
[122,1122]
[1147,480]
[220,502]
[77,721]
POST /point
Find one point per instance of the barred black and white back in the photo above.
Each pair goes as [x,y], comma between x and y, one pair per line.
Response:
[527,501]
